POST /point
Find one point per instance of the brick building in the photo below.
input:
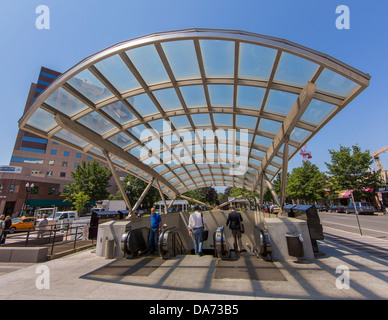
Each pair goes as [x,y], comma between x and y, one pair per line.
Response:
[43,162]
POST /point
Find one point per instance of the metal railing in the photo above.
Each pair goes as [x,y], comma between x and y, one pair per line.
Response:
[51,235]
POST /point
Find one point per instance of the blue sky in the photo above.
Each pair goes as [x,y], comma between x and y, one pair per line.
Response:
[81,28]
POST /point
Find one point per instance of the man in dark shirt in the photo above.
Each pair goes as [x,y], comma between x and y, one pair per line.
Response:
[234,219]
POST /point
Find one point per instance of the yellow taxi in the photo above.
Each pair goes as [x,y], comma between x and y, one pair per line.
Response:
[22,224]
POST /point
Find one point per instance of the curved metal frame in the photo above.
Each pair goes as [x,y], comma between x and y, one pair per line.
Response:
[195,177]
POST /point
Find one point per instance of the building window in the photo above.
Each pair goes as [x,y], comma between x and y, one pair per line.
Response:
[76,164]
[78,155]
[53,151]
[51,162]
[55,142]
[66,153]
[35,172]
[49,173]
[26,160]
[36,140]
[1,187]
[89,157]
[14,188]
[62,174]
[32,150]
[64,163]
[51,190]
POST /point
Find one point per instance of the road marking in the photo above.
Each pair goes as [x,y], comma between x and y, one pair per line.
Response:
[356,227]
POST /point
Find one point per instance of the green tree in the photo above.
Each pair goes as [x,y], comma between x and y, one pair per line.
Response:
[350,170]
[220,196]
[267,196]
[136,188]
[306,183]
[210,195]
[235,192]
[196,194]
[92,179]
[79,201]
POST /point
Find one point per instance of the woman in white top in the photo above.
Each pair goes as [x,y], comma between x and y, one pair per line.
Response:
[196,226]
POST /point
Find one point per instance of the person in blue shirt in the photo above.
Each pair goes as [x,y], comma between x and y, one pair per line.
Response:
[156,225]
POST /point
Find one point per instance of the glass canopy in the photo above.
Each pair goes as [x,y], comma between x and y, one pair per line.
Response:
[195,108]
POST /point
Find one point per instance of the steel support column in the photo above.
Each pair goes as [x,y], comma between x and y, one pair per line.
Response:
[284,175]
[193,200]
[227,202]
[171,203]
[162,196]
[138,202]
[117,180]
[274,194]
[288,126]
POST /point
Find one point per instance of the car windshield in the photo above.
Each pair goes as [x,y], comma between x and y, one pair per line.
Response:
[57,215]
[16,220]
[364,204]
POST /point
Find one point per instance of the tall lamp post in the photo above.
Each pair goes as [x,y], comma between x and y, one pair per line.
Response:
[28,190]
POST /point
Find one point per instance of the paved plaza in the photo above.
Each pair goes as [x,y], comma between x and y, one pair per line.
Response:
[83,275]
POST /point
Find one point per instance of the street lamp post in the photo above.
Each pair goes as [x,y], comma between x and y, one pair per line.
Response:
[28,190]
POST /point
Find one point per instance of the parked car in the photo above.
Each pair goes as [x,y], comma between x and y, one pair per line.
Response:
[337,209]
[274,209]
[321,207]
[362,208]
[22,224]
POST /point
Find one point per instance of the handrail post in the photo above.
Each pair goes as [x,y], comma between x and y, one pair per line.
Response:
[28,235]
[51,231]
[75,238]
[52,247]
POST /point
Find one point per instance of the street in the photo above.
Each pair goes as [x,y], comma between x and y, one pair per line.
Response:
[371,225]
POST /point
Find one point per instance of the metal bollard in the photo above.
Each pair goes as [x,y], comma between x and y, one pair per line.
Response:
[109,249]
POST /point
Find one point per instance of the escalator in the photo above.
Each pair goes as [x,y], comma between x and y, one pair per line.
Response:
[262,245]
[221,248]
[255,264]
[171,244]
[135,242]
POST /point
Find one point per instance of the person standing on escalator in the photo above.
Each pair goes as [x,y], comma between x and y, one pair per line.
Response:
[156,225]
[234,220]
[196,228]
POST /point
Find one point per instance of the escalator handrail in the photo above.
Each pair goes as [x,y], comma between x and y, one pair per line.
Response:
[126,243]
[222,241]
[265,249]
[176,236]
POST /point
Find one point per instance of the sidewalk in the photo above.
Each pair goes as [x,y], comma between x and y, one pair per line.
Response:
[82,276]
